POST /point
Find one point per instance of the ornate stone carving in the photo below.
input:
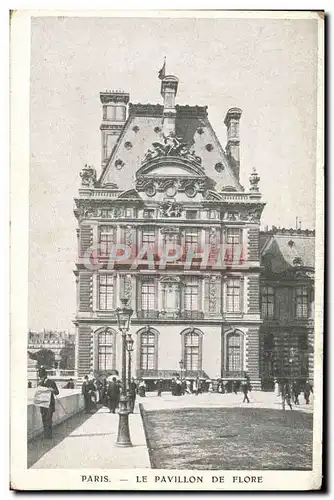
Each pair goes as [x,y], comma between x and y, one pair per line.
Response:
[209,147]
[170,186]
[135,129]
[128,145]
[170,209]
[119,164]
[171,146]
[128,287]
[254,180]
[128,236]
[88,176]
[200,131]
[212,294]
[157,130]
[219,167]
[105,213]
[213,237]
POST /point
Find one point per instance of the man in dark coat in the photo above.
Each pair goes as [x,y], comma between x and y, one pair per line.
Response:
[47,413]
[307,391]
[295,392]
[70,384]
[159,387]
[87,389]
[113,394]
[133,394]
[245,389]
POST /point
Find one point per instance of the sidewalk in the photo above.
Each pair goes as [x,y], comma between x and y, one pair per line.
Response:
[93,445]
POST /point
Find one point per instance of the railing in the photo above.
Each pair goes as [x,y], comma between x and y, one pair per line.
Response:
[195,315]
[61,373]
[169,374]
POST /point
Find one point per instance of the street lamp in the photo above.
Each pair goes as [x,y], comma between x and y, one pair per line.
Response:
[123,319]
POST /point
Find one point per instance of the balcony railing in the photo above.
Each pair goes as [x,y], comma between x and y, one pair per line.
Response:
[169,374]
[170,315]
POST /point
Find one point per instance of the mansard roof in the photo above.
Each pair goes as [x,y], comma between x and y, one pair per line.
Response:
[144,127]
[288,248]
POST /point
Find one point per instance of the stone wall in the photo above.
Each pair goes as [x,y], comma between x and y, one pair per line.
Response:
[68,403]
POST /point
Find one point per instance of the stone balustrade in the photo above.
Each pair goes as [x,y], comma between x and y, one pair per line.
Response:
[68,403]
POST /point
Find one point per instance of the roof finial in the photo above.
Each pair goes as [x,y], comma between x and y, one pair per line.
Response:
[162,72]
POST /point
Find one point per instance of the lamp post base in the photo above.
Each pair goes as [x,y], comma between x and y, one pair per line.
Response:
[123,438]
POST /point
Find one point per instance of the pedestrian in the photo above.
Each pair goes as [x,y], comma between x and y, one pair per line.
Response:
[113,393]
[295,392]
[178,386]
[188,387]
[307,391]
[48,411]
[287,395]
[42,373]
[133,394]
[277,388]
[87,389]
[69,384]
[142,388]
[245,389]
[29,384]
[235,387]
[159,387]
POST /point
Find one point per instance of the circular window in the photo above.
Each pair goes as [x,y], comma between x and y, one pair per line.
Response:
[150,190]
[190,192]
[171,191]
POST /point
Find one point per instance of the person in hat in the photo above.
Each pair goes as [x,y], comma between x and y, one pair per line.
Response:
[113,394]
[159,387]
[47,413]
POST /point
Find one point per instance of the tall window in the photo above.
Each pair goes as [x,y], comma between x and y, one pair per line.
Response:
[106,291]
[106,239]
[191,239]
[267,302]
[147,350]
[233,295]
[148,236]
[234,361]
[148,296]
[191,295]
[301,302]
[233,237]
[105,350]
[191,351]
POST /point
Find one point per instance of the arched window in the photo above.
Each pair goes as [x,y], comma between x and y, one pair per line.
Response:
[234,348]
[148,349]
[106,350]
[192,349]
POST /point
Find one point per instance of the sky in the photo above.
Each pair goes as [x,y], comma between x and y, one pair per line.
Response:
[265,67]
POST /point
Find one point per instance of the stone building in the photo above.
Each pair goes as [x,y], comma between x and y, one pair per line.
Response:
[287,305]
[168,225]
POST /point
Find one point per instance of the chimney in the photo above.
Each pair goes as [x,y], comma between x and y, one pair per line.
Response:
[168,91]
[231,121]
[113,119]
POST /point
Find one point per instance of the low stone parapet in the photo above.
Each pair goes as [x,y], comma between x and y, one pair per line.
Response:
[68,403]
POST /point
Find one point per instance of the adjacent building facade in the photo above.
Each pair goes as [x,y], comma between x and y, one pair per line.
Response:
[168,226]
[287,305]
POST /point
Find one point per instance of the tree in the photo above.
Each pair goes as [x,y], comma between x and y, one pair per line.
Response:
[67,355]
[44,357]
